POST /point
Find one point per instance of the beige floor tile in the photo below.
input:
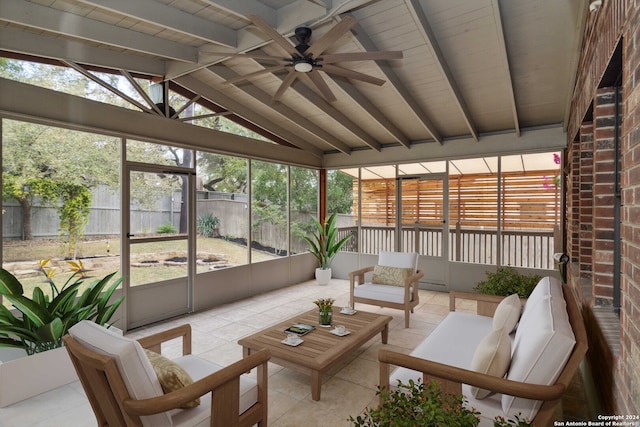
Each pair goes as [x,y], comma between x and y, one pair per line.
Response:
[346,391]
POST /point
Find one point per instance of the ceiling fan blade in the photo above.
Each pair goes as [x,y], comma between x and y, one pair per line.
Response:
[322,86]
[350,74]
[248,55]
[331,36]
[273,34]
[255,73]
[360,56]
[285,84]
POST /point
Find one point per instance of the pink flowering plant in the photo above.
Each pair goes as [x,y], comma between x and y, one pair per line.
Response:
[556,179]
[43,319]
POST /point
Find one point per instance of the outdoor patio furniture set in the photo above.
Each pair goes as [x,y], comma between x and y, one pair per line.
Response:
[127,385]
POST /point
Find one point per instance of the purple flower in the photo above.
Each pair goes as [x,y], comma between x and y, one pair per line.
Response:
[556,158]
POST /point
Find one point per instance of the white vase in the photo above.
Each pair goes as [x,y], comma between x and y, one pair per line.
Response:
[323,275]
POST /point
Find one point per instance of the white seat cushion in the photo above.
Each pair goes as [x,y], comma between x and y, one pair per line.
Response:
[386,293]
[199,368]
[453,343]
[449,343]
[136,370]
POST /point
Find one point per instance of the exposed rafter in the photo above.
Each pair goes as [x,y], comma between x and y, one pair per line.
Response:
[319,102]
[373,111]
[169,17]
[291,115]
[46,18]
[432,44]
[505,62]
[394,80]
[38,45]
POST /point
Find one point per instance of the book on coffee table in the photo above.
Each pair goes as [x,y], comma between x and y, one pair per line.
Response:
[300,328]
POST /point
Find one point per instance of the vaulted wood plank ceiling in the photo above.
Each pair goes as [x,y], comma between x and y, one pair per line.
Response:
[470,68]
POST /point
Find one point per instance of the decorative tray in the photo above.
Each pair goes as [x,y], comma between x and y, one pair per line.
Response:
[300,329]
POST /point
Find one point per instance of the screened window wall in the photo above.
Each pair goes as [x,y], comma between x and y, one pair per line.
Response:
[501,210]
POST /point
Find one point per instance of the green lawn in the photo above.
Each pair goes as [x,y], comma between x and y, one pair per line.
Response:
[102,258]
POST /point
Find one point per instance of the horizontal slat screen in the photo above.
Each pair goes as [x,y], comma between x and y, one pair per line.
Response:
[530,200]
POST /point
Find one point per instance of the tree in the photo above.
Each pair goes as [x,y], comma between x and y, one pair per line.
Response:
[59,166]
[339,192]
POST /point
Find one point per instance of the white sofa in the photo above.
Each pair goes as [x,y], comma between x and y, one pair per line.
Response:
[540,357]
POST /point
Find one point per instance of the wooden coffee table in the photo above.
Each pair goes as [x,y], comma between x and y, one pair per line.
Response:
[321,350]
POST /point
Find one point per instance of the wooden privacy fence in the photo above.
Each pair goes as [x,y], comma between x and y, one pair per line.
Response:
[526,200]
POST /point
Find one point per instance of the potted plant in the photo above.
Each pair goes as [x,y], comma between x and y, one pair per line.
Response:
[417,404]
[36,330]
[325,310]
[324,246]
[506,281]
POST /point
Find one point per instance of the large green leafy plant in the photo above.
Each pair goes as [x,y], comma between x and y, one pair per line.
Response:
[323,243]
[506,281]
[44,319]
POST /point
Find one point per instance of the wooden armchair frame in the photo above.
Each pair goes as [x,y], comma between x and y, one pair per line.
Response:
[113,406]
[411,297]
[451,378]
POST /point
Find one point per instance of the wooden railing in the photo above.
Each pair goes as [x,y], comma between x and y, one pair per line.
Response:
[519,248]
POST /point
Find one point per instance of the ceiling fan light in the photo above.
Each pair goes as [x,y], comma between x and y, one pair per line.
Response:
[303,66]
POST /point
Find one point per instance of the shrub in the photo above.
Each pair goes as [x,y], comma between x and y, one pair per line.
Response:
[207,225]
[167,228]
[506,281]
[418,405]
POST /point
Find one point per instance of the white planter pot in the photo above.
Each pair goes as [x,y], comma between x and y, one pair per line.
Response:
[323,275]
[22,376]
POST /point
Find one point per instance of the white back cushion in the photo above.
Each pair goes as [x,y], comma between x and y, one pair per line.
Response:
[507,313]
[399,259]
[542,345]
[136,370]
[492,357]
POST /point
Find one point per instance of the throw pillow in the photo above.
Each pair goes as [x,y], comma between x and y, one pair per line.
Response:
[384,275]
[172,376]
[492,357]
[507,313]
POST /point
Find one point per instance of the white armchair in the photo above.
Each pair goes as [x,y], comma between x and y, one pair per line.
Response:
[124,389]
[393,283]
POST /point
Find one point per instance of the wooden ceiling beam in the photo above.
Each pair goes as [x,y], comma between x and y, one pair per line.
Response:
[304,124]
[495,5]
[240,109]
[432,44]
[392,79]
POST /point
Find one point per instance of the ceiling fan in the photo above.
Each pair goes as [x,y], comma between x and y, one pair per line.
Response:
[306,60]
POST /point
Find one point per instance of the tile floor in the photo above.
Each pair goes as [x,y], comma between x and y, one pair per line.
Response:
[346,391]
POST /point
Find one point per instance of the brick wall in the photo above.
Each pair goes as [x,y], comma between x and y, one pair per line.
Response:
[604,157]
[628,375]
[585,202]
[618,21]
